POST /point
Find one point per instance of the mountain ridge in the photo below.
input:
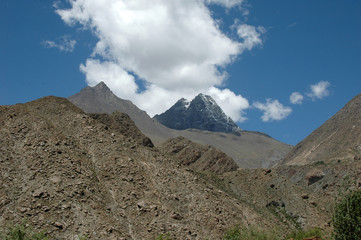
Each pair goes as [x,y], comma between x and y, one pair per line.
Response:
[201,113]
[249,150]
[339,138]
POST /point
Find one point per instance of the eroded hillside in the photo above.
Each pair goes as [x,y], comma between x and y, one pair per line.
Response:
[69,174]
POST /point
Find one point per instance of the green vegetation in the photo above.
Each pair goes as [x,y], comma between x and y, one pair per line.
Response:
[301,234]
[319,163]
[347,217]
[82,237]
[163,237]
[281,214]
[22,232]
[255,234]
[247,234]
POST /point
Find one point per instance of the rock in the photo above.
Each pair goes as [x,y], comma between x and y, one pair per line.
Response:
[305,196]
[39,193]
[55,179]
[141,204]
[314,176]
[177,216]
[58,225]
[23,209]
[273,204]
[201,113]
[267,171]
[357,157]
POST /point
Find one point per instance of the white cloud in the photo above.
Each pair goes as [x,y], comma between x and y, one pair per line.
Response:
[64,44]
[272,110]
[292,25]
[122,83]
[226,3]
[250,34]
[296,98]
[232,104]
[319,90]
[175,46]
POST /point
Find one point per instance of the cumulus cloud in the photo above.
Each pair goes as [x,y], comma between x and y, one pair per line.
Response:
[175,47]
[226,3]
[273,110]
[64,44]
[296,98]
[123,84]
[251,35]
[319,90]
[232,104]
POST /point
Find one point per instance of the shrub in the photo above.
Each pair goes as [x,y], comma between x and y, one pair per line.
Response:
[247,234]
[22,232]
[346,218]
[301,234]
[232,234]
[163,237]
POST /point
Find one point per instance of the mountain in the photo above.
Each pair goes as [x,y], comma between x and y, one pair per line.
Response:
[70,174]
[100,99]
[201,113]
[338,139]
[249,150]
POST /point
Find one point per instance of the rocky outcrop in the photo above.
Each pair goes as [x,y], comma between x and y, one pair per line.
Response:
[122,123]
[199,157]
[201,113]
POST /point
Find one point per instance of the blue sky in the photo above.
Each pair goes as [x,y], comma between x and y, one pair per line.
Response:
[240,52]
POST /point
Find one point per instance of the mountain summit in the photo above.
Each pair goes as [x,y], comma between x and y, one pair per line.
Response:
[249,150]
[201,113]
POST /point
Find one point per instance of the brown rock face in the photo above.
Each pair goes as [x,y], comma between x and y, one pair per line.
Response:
[202,158]
[122,123]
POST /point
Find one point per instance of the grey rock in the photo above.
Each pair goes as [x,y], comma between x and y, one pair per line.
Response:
[201,113]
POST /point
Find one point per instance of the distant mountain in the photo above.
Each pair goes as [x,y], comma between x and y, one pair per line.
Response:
[250,150]
[100,99]
[338,139]
[201,113]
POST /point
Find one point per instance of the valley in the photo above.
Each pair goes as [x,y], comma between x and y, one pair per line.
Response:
[70,172]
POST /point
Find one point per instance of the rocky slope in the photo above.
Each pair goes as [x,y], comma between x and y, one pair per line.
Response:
[201,113]
[338,139]
[122,123]
[304,187]
[197,156]
[250,150]
[70,174]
